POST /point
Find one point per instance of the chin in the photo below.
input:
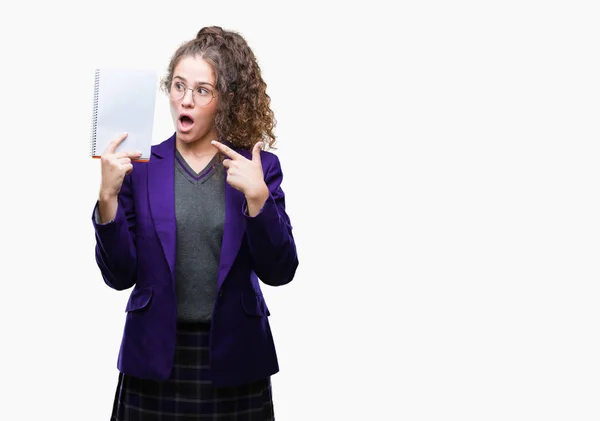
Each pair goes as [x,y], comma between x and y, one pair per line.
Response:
[189,137]
[185,137]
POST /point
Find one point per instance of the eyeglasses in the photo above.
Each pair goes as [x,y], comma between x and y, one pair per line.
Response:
[202,95]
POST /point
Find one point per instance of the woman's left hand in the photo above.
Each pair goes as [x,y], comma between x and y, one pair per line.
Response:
[245,175]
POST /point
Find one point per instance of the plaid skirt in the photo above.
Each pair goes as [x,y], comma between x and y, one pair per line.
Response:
[187,394]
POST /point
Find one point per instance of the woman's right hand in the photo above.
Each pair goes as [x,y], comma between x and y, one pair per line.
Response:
[114,168]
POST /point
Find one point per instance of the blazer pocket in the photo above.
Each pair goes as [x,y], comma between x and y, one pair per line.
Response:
[138,299]
[254,304]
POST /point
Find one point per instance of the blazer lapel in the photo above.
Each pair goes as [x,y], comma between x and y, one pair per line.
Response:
[161,197]
[233,232]
[234,229]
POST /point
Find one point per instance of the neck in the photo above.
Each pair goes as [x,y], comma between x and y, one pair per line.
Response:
[198,148]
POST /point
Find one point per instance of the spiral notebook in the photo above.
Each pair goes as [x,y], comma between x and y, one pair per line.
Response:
[124,100]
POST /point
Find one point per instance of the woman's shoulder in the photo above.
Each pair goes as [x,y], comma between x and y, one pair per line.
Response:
[265,156]
[269,156]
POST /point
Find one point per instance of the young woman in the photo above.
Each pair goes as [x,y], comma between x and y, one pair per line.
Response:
[192,231]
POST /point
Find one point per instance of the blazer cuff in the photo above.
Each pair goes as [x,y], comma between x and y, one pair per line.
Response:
[266,215]
[97,220]
[108,229]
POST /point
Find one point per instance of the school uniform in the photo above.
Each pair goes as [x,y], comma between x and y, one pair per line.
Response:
[197,338]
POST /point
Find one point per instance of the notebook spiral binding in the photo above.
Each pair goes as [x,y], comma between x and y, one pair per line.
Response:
[95,114]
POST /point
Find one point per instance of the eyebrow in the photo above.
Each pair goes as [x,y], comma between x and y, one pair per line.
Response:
[198,83]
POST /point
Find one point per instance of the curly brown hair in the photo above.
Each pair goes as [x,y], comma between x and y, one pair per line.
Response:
[245,117]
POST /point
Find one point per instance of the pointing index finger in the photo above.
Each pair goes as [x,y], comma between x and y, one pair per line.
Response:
[226,150]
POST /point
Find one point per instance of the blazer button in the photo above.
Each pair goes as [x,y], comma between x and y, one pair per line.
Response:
[221,293]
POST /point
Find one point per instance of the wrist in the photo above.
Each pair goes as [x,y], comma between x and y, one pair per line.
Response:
[259,195]
[256,201]
[107,196]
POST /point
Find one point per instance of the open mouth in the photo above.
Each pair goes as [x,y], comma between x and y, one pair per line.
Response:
[186,121]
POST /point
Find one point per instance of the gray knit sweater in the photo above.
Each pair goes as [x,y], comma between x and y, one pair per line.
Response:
[200,215]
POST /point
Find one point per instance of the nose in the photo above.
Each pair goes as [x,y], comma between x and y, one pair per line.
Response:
[188,98]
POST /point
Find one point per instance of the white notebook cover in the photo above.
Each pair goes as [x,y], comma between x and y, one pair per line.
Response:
[124,101]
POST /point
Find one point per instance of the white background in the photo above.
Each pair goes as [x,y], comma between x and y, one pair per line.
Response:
[441,167]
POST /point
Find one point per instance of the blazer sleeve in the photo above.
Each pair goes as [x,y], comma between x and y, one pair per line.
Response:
[115,242]
[269,234]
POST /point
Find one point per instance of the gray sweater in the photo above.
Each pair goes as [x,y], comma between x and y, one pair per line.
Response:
[200,215]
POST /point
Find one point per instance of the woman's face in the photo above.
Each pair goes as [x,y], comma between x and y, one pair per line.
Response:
[193,106]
